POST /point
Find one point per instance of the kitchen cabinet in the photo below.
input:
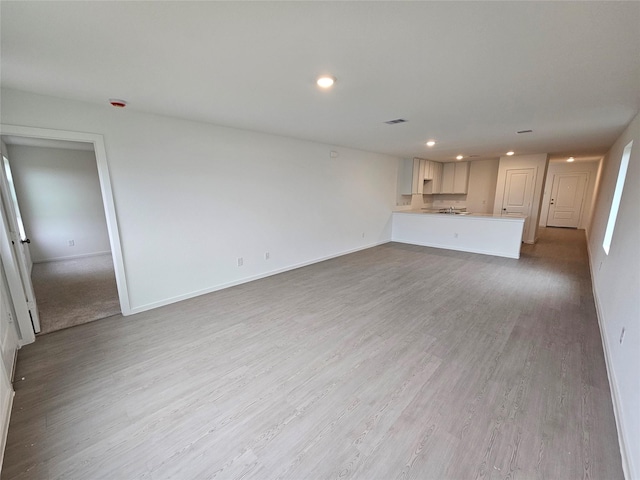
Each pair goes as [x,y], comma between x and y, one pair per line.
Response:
[455,177]
[428,169]
[437,177]
[420,176]
[412,176]
[433,177]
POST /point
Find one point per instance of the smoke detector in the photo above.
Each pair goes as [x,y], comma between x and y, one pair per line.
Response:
[116,102]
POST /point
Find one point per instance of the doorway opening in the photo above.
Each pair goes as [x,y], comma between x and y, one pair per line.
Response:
[74,259]
[69,258]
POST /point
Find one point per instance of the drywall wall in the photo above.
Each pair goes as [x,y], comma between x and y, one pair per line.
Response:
[59,196]
[191,198]
[539,163]
[591,169]
[616,282]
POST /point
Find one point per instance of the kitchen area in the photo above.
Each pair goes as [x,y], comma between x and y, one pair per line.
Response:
[483,206]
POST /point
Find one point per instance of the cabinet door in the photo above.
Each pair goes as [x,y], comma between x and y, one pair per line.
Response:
[461,177]
[418,176]
[405,182]
[437,178]
[448,174]
[428,170]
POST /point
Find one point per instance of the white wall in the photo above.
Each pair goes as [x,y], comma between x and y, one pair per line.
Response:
[59,196]
[191,197]
[591,169]
[616,282]
[539,163]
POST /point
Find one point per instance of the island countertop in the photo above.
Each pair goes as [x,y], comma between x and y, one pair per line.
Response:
[511,217]
[499,235]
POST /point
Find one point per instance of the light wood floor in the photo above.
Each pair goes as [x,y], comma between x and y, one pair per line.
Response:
[391,363]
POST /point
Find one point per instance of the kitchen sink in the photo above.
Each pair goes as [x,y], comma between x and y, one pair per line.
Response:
[453,212]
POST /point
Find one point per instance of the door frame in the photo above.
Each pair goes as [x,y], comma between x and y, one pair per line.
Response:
[97,141]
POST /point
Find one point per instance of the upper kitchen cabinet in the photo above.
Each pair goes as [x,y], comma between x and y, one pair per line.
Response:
[412,176]
[420,176]
[433,177]
[455,177]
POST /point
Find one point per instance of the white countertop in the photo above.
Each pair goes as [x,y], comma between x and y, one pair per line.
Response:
[512,217]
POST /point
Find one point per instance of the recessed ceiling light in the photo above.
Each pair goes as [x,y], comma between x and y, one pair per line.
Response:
[326,81]
[510,153]
[431,143]
[459,157]
[570,159]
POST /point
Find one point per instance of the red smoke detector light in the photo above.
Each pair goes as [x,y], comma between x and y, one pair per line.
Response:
[117,103]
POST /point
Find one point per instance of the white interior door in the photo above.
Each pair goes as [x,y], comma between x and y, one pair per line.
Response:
[567,195]
[518,194]
[19,240]
[8,349]
[11,272]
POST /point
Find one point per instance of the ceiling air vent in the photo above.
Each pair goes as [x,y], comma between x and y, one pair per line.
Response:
[397,120]
[524,131]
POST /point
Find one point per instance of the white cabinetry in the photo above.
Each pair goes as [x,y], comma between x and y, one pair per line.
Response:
[419,176]
[412,176]
[405,182]
[455,177]
[433,177]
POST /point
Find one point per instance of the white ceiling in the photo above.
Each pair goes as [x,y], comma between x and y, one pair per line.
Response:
[469,74]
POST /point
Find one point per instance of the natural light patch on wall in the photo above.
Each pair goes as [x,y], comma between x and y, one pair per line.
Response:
[617,195]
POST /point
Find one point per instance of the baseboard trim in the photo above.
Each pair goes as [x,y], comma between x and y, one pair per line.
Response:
[197,293]
[613,384]
[72,257]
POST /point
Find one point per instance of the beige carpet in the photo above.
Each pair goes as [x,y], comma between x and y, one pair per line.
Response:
[72,292]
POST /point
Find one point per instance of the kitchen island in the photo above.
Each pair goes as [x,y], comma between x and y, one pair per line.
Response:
[499,235]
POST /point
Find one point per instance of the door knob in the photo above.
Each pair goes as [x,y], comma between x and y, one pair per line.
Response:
[26,240]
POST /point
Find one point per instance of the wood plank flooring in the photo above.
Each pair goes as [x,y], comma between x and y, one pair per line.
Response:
[396,362]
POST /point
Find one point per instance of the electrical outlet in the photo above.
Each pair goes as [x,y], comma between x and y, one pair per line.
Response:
[267,255]
[455,235]
[240,261]
[622,335]
[362,234]
[72,243]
